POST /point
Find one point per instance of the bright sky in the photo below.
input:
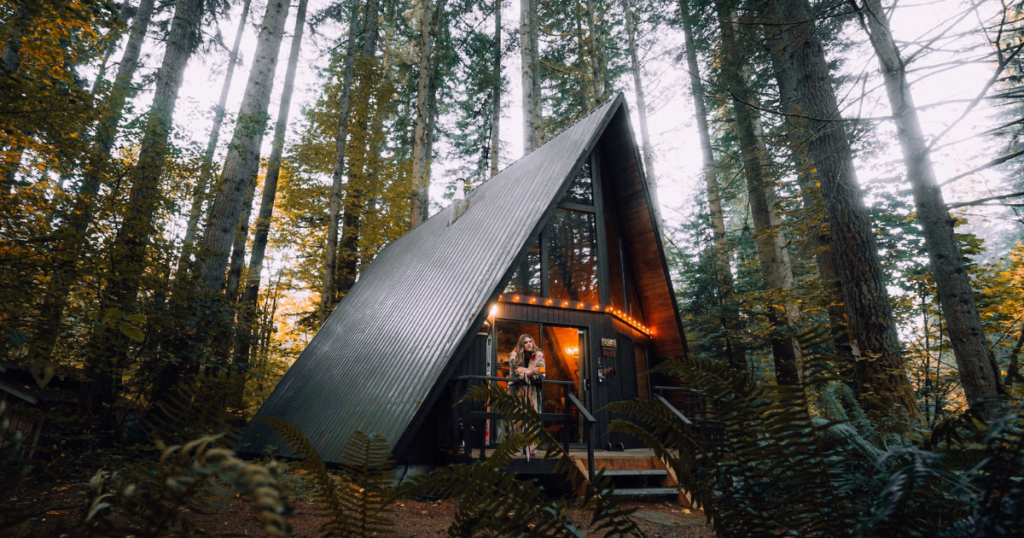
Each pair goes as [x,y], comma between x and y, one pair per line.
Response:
[670,110]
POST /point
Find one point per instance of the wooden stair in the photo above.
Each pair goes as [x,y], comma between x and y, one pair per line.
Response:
[637,473]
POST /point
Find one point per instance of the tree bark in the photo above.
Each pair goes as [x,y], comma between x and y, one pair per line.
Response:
[348,248]
[735,348]
[113,108]
[327,297]
[976,364]
[496,92]
[780,39]
[128,252]
[420,187]
[75,231]
[880,372]
[237,260]
[773,257]
[641,105]
[243,154]
[247,310]
[526,41]
[199,194]
[206,311]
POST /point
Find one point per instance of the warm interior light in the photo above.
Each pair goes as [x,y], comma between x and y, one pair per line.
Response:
[494,310]
[572,351]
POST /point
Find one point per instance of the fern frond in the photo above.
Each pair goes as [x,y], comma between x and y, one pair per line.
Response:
[194,475]
[327,493]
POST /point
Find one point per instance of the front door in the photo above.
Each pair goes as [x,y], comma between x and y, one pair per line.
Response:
[566,357]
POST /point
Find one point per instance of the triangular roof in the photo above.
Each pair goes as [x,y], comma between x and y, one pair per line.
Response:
[374,364]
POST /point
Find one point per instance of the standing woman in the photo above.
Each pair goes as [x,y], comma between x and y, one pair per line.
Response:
[527,363]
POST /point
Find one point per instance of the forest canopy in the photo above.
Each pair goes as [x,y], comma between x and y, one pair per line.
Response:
[189,188]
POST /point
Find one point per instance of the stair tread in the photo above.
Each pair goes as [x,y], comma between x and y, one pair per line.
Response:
[637,472]
[646,491]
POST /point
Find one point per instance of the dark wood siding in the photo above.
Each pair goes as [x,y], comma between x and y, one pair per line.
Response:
[643,251]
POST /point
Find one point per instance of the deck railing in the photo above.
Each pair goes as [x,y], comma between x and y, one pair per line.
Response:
[565,418]
[694,414]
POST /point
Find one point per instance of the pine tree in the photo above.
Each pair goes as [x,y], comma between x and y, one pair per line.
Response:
[880,371]
[247,307]
[975,361]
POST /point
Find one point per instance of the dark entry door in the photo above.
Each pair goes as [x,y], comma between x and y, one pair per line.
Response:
[622,384]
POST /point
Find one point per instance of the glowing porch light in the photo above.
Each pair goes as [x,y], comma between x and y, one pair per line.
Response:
[494,310]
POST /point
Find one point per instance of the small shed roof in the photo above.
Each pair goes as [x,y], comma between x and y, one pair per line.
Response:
[372,365]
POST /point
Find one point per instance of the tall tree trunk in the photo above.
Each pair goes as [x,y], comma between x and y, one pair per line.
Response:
[128,252]
[65,272]
[244,153]
[526,42]
[199,194]
[595,50]
[975,362]
[496,92]
[237,260]
[243,334]
[348,247]
[641,105]
[880,372]
[735,348]
[819,240]
[327,297]
[206,311]
[538,96]
[113,107]
[420,187]
[772,255]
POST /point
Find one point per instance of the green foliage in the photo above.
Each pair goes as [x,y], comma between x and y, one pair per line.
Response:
[493,503]
[358,504]
[196,478]
[804,460]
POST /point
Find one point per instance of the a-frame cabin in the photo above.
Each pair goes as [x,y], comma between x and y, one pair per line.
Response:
[563,245]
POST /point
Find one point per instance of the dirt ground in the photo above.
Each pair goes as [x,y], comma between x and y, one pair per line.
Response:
[422,520]
[412,518]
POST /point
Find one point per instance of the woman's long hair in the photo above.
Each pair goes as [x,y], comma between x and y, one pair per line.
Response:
[521,358]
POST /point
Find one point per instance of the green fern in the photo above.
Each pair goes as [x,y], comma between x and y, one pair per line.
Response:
[494,503]
[198,407]
[198,477]
[804,460]
[357,506]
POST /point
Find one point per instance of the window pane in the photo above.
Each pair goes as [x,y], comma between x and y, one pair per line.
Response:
[615,279]
[581,191]
[572,256]
[562,355]
[634,302]
[526,280]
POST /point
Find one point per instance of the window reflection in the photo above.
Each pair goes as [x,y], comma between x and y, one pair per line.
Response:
[581,191]
[617,293]
[526,279]
[572,256]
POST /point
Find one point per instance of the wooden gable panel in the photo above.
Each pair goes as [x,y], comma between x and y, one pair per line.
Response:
[644,251]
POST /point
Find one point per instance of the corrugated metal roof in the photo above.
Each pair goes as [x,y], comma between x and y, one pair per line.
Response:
[376,358]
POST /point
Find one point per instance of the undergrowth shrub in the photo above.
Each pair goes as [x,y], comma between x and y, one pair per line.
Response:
[804,460]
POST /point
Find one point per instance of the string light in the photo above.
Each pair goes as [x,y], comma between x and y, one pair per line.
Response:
[580,305]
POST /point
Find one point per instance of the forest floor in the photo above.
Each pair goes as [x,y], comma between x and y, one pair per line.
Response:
[657,518]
